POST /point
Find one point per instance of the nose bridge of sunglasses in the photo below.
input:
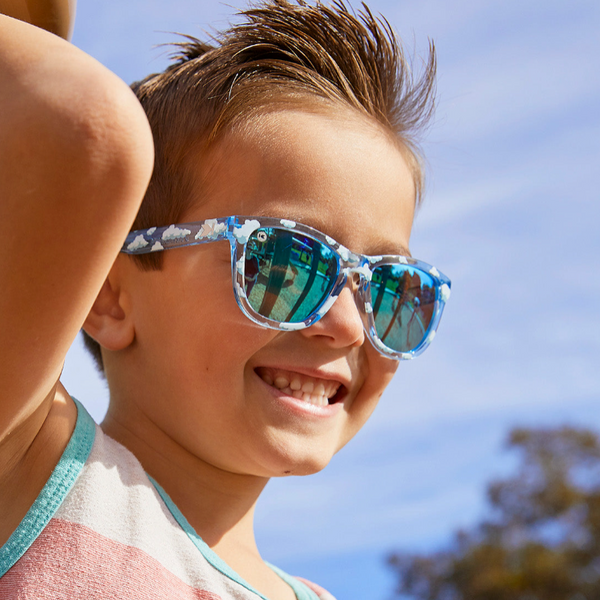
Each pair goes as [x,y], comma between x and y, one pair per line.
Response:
[354,275]
[355,279]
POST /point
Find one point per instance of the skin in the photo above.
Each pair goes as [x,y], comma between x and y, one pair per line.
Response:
[181,358]
[56,16]
[75,159]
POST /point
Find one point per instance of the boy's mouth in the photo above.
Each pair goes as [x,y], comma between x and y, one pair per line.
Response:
[319,392]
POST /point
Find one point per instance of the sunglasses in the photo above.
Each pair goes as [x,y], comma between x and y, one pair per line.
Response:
[286,276]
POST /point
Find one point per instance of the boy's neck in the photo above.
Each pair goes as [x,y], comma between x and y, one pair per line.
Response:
[218,504]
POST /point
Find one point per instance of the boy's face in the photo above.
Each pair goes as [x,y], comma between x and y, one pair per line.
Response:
[199,368]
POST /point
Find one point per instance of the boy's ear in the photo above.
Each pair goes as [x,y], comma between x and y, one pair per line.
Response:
[107,322]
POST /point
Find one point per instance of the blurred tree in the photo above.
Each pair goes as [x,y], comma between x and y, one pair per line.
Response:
[542,540]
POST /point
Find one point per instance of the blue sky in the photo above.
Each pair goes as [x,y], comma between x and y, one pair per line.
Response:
[512,215]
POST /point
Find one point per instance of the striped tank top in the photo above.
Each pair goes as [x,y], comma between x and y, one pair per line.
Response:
[101,528]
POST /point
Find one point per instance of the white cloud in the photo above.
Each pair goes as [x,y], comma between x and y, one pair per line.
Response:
[445,292]
[175,233]
[239,289]
[138,243]
[156,247]
[239,265]
[328,304]
[210,229]
[344,252]
[242,233]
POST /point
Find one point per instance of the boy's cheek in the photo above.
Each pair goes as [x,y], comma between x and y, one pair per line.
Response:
[378,372]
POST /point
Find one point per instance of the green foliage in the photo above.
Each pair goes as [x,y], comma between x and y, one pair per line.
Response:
[542,541]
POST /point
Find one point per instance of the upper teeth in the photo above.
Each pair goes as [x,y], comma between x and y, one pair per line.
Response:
[310,389]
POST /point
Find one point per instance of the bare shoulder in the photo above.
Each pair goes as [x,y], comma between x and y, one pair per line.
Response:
[75,158]
[56,16]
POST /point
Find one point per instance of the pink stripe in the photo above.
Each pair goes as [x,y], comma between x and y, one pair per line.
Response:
[317,589]
[72,561]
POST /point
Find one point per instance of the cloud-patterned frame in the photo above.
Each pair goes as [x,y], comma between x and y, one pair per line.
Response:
[237,229]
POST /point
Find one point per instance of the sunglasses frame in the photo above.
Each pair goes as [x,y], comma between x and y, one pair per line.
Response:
[237,230]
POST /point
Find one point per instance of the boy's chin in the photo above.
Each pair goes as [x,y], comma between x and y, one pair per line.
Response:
[304,469]
[305,464]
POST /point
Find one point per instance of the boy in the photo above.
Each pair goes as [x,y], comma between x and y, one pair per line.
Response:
[284,156]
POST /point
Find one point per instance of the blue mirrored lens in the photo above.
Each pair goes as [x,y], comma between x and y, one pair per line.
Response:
[403,300]
[288,276]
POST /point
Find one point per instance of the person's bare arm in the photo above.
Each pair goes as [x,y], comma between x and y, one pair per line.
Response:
[75,158]
[56,16]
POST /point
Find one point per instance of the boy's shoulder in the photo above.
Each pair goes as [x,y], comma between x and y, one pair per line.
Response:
[101,528]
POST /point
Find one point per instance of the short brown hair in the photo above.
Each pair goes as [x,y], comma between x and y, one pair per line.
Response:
[280,49]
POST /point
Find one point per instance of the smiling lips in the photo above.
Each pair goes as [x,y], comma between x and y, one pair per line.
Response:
[309,389]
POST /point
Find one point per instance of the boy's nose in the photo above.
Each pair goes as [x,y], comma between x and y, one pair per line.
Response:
[342,323]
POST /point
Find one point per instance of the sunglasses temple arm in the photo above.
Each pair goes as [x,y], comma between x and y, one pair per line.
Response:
[155,239]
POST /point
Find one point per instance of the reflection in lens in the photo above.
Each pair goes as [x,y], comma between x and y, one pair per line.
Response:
[287,275]
[403,300]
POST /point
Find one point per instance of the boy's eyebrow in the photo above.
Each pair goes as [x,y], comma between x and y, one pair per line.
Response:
[402,251]
[395,249]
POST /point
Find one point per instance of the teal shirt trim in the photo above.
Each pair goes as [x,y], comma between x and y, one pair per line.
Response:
[53,493]
[300,589]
